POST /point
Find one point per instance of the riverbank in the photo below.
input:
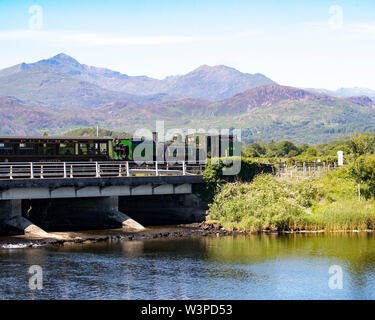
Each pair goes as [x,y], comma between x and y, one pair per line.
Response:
[186,231]
[92,236]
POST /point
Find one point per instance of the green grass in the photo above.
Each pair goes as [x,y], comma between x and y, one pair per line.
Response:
[343,215]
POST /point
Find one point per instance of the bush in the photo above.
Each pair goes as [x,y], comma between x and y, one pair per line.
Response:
[213,175]
[329,203]
[265,203]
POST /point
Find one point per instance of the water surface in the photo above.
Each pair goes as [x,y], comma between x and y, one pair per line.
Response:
[253,267]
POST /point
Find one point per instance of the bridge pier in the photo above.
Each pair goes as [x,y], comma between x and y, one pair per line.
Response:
[78,214]
[32,205]
[164,209]
[12,221]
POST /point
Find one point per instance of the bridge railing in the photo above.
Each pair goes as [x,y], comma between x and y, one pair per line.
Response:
[69,170]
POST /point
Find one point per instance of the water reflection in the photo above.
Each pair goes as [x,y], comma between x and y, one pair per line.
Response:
[255,267]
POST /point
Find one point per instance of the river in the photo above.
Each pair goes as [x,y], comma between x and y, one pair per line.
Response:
[292,266]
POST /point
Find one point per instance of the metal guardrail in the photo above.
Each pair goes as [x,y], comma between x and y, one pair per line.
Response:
[70,170]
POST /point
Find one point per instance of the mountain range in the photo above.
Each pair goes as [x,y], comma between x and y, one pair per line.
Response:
[347,92]
[60,94]
[62,81]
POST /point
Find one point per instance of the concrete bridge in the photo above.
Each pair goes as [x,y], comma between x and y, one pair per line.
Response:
[81,195]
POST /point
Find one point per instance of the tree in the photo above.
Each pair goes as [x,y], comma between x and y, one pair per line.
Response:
[256,149]
[361,144]
[286,148]
[358,171]
[303,148]
[311,152]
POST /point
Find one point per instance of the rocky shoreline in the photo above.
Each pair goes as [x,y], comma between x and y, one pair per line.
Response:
[70,238]
[202,229]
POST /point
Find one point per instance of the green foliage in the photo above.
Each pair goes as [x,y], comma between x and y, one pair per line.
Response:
[336,185]
[214,176]
[357,169]
[361,144]
[310,152]
[358,144]
[93,131]
[345,214]
[265,203]
[329,203]
[273,149]
[255,150]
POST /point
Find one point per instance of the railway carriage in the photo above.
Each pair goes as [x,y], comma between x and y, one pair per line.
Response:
[54,148]
[84,148]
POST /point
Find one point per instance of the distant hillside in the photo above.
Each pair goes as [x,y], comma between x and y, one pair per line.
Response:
[213,83]
[92,132]
[270,112]
[20,119]
[61,81]
[347,92]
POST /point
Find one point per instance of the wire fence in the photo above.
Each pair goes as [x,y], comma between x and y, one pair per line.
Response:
[304,169]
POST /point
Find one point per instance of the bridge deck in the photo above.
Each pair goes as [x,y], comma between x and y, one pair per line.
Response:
[94,179]
[100,182]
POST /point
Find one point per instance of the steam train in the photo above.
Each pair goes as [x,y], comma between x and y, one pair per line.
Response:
[84,148]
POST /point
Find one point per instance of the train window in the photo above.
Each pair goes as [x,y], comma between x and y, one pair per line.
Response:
[66,148]
[50,149]
[26,145]
[82,148]
[6,149]
[103,148]
[91,148]
[26,149]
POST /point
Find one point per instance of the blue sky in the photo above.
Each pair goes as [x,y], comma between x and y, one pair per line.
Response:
[321,43]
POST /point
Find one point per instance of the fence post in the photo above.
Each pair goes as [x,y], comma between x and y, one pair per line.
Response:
[71,171]
[11,172]
[41,171]
[64,169]
[97,169]
[156,168]
[183,168]
[127,169]
[31,171]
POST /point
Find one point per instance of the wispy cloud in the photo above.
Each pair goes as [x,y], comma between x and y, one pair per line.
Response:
[92,39]
[363,29]
[103,39]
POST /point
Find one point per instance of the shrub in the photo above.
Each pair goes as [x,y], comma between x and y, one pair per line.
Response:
[265,203]
[213,175]
[329,203]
